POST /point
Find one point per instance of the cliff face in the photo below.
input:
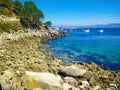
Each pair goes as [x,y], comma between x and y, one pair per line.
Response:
[10,23]
[12,18]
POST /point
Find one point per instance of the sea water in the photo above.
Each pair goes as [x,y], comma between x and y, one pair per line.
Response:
[102,48]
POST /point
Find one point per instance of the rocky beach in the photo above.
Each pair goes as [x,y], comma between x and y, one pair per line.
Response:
[26,65]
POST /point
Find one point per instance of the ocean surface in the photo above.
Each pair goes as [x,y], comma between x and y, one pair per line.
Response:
[102,48]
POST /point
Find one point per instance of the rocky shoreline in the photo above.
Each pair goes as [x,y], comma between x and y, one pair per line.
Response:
[25,65]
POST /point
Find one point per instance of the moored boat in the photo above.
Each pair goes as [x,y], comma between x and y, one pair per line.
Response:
[101,30]
[87,30]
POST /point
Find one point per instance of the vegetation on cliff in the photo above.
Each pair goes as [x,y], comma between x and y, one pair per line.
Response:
[6,7]
[28,14]
[48,23]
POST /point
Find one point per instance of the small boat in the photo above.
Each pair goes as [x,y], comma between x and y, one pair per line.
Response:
[87,30]
[100,31]
[65,30]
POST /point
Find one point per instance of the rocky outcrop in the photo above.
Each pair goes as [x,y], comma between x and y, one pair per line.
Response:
[4,18]
[68,71]
[43,35]
[10,23]
[44,81]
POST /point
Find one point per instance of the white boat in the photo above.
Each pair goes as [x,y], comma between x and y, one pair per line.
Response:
[87,30]
[101,30]
[65,31]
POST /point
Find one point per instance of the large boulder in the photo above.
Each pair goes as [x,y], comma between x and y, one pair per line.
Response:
[72,71]
[43,81]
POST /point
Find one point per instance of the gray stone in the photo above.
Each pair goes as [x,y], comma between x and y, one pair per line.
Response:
[85,84]
[71,81]
[8,63]
[97,87]
[6,72]
[112,88]
[66,86]
[94,65]
[72,71]
[45,81]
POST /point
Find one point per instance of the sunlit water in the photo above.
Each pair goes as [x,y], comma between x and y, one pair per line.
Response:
[102,48]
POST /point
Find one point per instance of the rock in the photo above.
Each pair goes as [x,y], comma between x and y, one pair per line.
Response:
[6,80]
[45,81]
[66,86]
[72,71]
[0,87]
[88,75]
[92,81]
[71,81]
[37,89]
[7,72]
[7,87]
[112,88]
[60,79]
[2,51]
[94,65]
[96,88]
[8,63]
[113,85]
[74,88]
[85,84]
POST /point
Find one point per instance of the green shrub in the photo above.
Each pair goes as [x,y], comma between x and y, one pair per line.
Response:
[48,23]
[5,11]
[4,27]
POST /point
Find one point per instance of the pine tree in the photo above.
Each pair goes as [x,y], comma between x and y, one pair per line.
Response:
[32,15]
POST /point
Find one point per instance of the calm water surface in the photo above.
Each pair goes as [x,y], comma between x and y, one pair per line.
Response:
[101,48]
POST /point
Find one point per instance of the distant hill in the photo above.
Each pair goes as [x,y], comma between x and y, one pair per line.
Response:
[112,25]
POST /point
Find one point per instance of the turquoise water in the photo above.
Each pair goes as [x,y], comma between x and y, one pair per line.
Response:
[101,48]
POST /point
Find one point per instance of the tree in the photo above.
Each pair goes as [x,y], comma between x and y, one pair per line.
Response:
[18,8]
[25,22]
[6,3]
[6,7]
[48,23]
[32,15]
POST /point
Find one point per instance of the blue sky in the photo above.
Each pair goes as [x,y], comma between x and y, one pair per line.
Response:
[80,12]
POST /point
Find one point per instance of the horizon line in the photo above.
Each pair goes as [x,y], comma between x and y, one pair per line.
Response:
[82,25]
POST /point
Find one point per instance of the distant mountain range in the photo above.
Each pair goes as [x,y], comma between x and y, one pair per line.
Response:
[111,25]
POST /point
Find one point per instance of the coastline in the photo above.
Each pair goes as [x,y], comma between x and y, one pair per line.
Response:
[23,61]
